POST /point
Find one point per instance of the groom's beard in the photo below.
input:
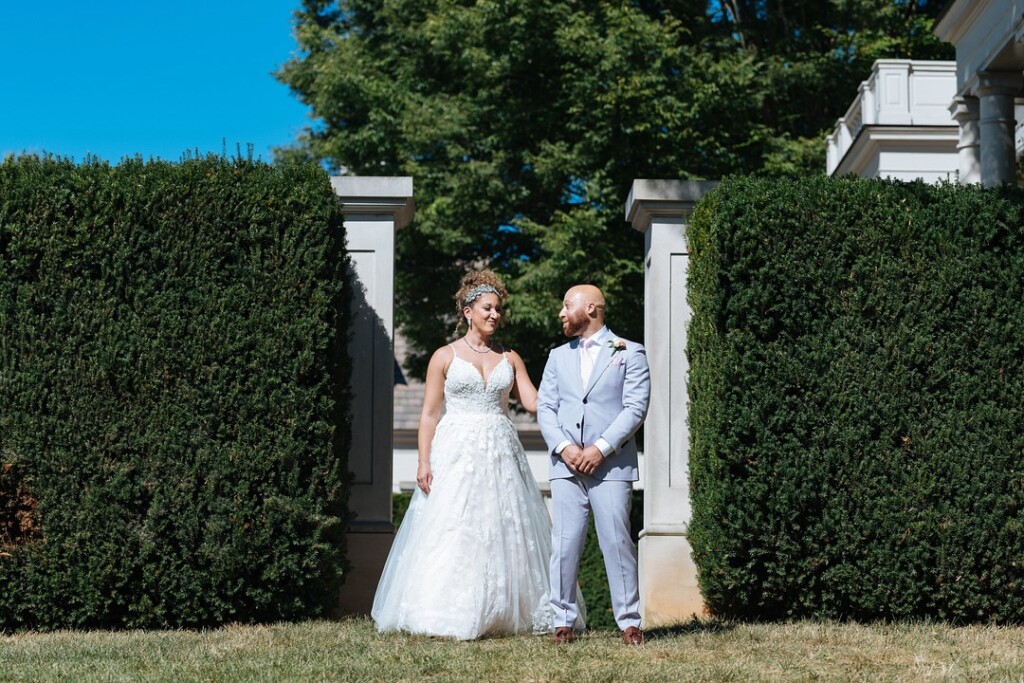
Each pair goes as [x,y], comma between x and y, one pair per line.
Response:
[575,323]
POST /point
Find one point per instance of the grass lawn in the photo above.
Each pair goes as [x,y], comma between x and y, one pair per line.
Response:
[351,650]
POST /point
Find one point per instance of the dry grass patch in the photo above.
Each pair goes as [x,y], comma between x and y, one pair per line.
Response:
[352,650]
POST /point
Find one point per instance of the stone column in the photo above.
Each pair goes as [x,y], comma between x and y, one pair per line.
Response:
[965,112]
[375,208]
[668,578]
[996,91]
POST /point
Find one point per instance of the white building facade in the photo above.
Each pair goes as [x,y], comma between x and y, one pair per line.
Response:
[989,39]
[899,125]
[961,120]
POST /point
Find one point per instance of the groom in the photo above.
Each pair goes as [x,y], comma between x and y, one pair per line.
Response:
[592,399]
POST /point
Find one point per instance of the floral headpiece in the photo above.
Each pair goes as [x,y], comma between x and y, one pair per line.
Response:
[475,293]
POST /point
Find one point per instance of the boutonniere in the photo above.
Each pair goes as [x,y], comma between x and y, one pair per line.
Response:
[616,345]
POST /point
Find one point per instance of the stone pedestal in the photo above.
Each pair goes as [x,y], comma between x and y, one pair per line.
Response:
[375,208]
[668,578]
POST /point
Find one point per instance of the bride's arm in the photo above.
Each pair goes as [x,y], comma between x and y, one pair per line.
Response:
[523,388]
[433,399]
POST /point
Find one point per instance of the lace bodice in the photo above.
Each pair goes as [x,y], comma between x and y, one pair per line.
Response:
[466,392]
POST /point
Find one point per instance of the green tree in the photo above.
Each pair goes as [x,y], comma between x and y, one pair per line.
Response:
[524,123]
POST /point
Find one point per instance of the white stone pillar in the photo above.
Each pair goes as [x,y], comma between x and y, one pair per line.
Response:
[374,208]
[668,577]
[996,91]
[965,112]
[892,88]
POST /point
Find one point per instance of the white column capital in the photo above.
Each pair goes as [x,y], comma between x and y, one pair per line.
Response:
[1006,83]
[965,108]
[650,199]
[376,196]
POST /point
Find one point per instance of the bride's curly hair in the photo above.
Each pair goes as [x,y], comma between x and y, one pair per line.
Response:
[475,283]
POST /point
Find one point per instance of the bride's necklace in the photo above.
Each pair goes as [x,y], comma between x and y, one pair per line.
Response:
[486,350]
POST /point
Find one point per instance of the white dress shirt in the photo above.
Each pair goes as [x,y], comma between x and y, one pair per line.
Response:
[589,349]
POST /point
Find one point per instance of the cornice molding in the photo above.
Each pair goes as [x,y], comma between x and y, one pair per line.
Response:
[376,196]
[956,18]
[872,139]
[653,198]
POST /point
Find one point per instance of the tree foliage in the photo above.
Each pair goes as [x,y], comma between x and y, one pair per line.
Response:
[524,124]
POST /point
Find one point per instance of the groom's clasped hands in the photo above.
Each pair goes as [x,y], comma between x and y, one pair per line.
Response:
[582,460]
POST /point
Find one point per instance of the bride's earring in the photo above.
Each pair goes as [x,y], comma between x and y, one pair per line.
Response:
[469,323]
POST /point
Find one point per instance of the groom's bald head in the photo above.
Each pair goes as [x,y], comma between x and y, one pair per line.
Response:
[587,294]
[582,311]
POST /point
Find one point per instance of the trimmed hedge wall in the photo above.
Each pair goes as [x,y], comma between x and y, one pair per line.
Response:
[857,400]
[173,421]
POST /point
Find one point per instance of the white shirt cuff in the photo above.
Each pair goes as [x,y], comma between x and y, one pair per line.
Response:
[561,447]
[605,447]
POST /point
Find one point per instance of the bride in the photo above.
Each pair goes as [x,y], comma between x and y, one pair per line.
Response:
[471,557]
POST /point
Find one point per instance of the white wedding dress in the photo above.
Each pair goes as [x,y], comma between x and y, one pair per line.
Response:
[471,559]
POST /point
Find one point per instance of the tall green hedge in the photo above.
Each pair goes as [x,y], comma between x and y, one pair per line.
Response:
[857,400]
[173,421]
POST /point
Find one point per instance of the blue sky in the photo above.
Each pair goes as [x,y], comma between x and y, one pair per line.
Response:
[116,78]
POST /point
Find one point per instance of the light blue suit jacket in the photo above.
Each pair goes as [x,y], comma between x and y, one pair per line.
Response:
[612,407]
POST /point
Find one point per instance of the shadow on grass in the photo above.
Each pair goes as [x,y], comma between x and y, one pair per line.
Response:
[694,626]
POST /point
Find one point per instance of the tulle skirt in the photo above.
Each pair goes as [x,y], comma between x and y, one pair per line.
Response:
[471,559]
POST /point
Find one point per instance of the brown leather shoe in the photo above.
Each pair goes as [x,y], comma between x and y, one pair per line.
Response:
[633,636]
[563,635]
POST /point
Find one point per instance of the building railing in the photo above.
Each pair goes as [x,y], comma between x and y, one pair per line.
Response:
[899,92]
